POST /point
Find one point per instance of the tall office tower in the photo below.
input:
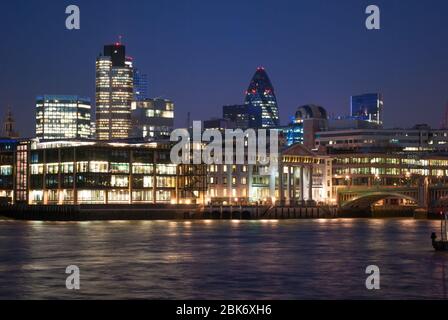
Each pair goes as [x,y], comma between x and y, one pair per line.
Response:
[8,127]
[368,107]
[152,119]
[114,93]
[140,85]
[261,94]
[62,117]
[244,116]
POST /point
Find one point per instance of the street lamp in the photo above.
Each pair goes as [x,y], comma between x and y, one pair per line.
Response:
[377,180]
[347,180]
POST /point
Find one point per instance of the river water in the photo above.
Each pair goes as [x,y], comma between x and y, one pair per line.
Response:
[307,259]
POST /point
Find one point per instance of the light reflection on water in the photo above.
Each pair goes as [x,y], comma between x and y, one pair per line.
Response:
[319,259]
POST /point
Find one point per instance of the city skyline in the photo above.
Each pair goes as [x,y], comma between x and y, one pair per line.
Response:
[297,61]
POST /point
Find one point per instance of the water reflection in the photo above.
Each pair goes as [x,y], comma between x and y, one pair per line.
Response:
[217,259]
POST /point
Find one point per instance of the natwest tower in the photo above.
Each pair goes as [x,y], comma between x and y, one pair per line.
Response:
[114,93]
[261,95]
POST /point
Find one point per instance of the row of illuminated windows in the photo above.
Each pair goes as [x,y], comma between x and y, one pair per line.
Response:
[98,196]
[397,161]
[238,168]
[225,180]
[102,167]
[160,114]
[390,171]
[215,193]
[367,160]
[95,181]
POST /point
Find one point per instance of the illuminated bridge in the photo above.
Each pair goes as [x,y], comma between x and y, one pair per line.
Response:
[422,196]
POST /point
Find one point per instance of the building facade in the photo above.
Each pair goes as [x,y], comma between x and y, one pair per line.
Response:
[388,172]
[141,85]
[300,177]
[261,94]
[244,116]
[152,119]
[63,117]
[219,124]
[419,138]
[114,93]
[76,173]
[369,107]
[81,172]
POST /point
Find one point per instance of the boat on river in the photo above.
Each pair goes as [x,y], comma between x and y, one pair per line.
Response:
[442,244]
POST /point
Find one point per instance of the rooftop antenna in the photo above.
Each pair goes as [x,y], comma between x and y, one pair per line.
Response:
[120,39]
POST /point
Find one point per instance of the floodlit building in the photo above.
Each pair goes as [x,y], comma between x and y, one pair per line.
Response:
[300,177]
[63,117]
[110,173]
[261,94]
[114,93]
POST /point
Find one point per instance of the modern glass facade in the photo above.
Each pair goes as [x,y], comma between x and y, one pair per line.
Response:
[140,85]
[108,173]
[63,117]
[293,133]
[114,94]
[152,119]
[368,107]
[261,94]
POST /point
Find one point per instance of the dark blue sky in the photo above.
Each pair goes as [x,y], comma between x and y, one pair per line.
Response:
[202,53]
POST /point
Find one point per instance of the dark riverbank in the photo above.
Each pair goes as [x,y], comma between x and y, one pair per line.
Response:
[192,212]
[160,212]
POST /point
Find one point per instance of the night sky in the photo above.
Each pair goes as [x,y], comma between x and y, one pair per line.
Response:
[203,53]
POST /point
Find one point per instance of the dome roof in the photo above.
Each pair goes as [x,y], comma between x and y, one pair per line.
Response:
[311,111]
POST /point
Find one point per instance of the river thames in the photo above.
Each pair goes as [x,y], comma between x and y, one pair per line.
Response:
[306,259]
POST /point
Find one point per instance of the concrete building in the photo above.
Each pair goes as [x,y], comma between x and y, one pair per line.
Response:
[300,177]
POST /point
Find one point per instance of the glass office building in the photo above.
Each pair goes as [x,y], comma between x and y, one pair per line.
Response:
[152,119]
[77,173]
[261,94]
[62,117]
[114,93]
[368,107]
[140,85]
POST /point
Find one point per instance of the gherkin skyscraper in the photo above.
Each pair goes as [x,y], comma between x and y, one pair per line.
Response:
[261,95]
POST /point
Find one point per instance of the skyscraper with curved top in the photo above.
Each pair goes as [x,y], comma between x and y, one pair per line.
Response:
[261,95]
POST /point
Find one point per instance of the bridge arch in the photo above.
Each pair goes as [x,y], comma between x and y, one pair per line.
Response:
[365,201]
